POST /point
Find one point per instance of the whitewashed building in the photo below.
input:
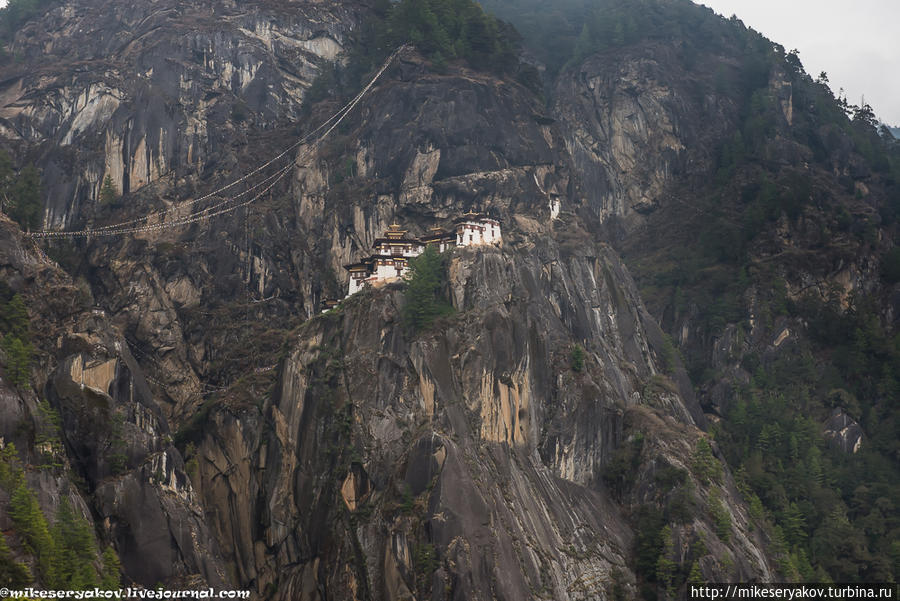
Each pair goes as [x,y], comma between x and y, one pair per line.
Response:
[475,228]
[389,262]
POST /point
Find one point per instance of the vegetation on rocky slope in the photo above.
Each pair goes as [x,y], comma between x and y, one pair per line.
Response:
[828,178]
[20,193]
[64,553]
[16,342]
[424,293]
[17,12]
[443,31]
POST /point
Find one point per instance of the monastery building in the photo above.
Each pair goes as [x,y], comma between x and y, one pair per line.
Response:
[389,260]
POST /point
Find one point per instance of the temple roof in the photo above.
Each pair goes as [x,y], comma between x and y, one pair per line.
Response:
[473,216]
[395,233]
[438,233]
[364,264]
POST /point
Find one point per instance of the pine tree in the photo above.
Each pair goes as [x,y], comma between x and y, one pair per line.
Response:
[25,206]
[74,550]
[18,360]
[704,463]
[695,576]
[13,574]
[107,191]
[719,513]
[31,525]
[11,474]
[665,567]
[110,578]
[15,317]
[793,524]
[424,301]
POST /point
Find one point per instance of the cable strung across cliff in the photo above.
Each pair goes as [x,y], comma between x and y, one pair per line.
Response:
[229,204]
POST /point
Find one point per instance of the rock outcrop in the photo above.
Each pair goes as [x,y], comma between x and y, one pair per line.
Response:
[155,93]
[629,118]
[117,441]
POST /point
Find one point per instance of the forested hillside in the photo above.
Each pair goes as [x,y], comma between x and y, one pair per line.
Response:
[756,250]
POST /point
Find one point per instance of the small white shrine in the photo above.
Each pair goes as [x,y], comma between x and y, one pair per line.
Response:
[392,252]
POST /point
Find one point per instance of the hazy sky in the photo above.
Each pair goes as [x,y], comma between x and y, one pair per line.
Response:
[856,42]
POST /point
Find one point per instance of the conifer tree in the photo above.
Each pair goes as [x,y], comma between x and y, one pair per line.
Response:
[10,468]
[665,567]
[18,360]
[31,525]
[107,191]
[25,201]
[696,576]
[110,578]
[13,574]
[424,301]
[74,550]
[15,317]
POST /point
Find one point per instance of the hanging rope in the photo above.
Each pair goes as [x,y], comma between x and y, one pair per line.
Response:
[128,227]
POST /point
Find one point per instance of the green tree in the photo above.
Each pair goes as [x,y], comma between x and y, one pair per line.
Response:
[18,360]
[576,358]
[107,191]
[13,574]
[25,202]
[704,464]
[11,473]
[74,550]
[425,301]
[110,578]
[719,513]
[14,318]
[447,29]
[695,576]
[32,526]
[793,524]
[665,566]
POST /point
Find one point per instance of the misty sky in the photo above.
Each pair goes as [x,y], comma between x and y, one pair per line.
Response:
[856,42]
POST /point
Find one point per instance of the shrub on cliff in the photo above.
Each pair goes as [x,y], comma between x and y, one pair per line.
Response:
[20,194]
[16,343]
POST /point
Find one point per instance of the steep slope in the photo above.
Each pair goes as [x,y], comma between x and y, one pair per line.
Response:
[155,91]
[758,214]
[110,454]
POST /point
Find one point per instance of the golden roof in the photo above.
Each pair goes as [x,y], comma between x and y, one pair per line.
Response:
[394,231]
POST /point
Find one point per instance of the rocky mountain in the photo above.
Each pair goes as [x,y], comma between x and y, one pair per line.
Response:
[569,431]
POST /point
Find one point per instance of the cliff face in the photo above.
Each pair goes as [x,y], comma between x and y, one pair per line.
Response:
[341,456]
[157,91]
[630,118]
[465,462]
[115,440]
